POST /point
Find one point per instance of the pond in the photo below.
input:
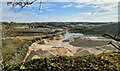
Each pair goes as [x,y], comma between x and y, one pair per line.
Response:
[72,34]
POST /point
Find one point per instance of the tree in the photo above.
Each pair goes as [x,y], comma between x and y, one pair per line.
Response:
[114,38]
[22,3]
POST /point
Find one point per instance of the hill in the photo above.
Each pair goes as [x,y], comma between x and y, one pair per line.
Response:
[96,29]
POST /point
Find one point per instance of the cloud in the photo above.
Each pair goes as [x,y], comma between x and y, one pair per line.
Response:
[111,16]
[80,5]
[76,5]
[95,6]
[43,5]
[98,7]
[105,7]
[67,6]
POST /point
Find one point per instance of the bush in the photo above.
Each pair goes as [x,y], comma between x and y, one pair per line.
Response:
[101,62]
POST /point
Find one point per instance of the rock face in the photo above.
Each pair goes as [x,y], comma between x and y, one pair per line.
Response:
[56,51]
[74,46]
[61,51]
[82,53]
[39,54]
[85,42]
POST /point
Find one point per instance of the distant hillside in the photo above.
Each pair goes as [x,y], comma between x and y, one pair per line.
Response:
[110,28]
[96,29]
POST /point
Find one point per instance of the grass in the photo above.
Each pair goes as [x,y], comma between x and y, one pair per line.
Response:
[15,49]
[13,52]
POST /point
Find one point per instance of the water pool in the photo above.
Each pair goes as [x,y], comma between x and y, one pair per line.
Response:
[72,34]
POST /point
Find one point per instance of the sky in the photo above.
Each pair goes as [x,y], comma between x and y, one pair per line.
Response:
[66,11]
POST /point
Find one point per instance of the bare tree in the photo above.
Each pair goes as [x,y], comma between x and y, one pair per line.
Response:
[23,3]
[114,38]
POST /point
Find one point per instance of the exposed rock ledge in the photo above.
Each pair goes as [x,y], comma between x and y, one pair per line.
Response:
[75,46]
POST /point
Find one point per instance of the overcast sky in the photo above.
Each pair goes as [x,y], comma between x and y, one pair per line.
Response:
[69,11]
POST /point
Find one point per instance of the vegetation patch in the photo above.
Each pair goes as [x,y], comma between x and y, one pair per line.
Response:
[105,61]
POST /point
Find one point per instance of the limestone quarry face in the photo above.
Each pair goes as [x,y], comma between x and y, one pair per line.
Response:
[61,51]
[73,46]
[58,51]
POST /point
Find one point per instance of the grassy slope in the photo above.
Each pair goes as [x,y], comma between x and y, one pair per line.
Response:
[13,52]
